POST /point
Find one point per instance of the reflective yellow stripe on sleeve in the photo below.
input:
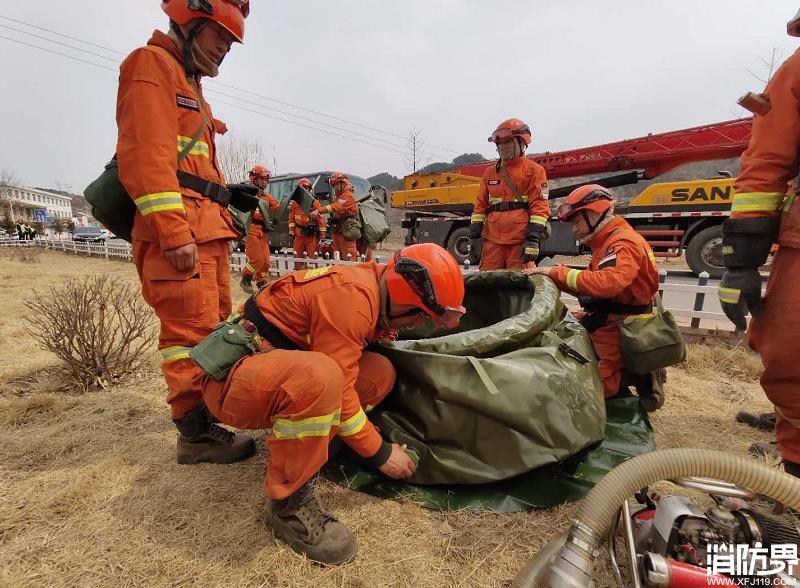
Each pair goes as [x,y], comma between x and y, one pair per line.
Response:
[572,279]
[319,426]
[495,201]
[158,202]
[199,148]
[353,425]
[756,202]
[478,218]
[174,353]
[538,220]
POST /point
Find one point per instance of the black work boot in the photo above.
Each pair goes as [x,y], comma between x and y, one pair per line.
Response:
[302,523]
[200,440]
[765,450]
[764,421]
[247,284]
[261,285]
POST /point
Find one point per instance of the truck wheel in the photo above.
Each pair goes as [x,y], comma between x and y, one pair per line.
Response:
[458,244]
[704,253]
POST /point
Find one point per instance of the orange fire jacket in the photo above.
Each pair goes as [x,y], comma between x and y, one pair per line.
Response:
[509,227]
[622,268]
[158,112]
[298,218]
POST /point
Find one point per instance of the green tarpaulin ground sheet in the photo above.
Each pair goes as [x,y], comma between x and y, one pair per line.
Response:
[628,433]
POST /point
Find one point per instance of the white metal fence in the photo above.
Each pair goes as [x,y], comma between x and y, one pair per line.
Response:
[692,311]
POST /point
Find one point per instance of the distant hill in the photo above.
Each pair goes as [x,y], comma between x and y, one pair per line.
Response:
[386,180]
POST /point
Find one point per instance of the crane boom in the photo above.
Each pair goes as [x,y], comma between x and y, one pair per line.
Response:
[655,154]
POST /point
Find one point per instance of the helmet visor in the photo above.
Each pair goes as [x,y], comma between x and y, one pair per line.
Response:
[567,209]
[505,135]
[418,279]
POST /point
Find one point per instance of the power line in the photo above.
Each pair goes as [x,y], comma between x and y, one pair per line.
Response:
[229,86]
[214,91]
[58,53]
[112,59]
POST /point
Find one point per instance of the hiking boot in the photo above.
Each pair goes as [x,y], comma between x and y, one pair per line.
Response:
[764,421]
[652,396]
[765,450]
[261,285]
[247,284]
[200,440]
[300,521]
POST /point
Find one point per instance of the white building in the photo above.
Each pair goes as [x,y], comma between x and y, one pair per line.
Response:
[24,202]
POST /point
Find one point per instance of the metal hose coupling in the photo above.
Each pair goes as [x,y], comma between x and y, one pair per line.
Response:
[574,564]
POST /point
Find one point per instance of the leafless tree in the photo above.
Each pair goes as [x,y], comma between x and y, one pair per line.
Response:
[237,155]
[416,156]
[8,181]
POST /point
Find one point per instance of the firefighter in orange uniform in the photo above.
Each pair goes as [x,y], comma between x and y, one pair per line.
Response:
[509,220]
[762,214]
[621,280]
[182,226]
[342,208]
[256,246]
[315,381]
[305,232]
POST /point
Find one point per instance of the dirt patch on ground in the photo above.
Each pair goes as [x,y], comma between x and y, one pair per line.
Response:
[90,493]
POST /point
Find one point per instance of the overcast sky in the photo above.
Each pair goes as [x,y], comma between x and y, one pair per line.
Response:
[579,72]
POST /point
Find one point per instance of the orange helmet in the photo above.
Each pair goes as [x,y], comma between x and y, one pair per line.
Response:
[793,26]
[337,177]
[508,129]
[260,172]
[305,183]
[592,197]
[229,14]
[428,277]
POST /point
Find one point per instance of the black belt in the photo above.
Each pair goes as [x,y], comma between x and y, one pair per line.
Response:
[266,330]
[308,229]
[504,206]
[211,190]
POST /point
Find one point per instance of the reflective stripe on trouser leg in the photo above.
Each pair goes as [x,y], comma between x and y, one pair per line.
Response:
[295,393]
[773,334]
[188,305]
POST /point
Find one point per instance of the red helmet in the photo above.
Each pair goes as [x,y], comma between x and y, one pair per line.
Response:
[305,183]
[229,14]
[260,172]
[592,197]
[428,277]
[508,129]
[793,26]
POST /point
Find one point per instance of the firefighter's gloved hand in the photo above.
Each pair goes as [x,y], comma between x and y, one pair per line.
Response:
[475,243]
[740,292]
[530,251]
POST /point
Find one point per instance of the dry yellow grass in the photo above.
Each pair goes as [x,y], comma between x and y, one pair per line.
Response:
[90,494]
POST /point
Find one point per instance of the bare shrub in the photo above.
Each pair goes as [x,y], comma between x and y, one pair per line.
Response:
[26,254]
[100,327]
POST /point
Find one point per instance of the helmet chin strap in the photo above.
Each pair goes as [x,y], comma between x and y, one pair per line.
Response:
[592,227]
[189,65]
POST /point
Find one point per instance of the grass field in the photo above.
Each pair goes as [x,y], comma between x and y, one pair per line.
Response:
[90,493]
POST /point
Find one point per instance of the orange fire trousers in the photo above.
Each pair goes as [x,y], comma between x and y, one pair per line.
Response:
[256,247]
[345,247]
[496,256]
[298,395]
[189,305]
[611,366]
[773,334]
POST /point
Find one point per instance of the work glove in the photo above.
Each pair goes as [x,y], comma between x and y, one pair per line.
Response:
[475,243]
[533,236]
[746,243]
[740,292]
